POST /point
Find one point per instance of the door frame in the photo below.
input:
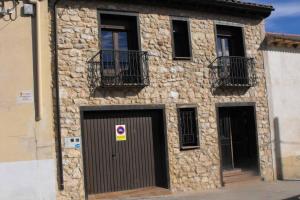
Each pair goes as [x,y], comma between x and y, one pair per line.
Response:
[160,107]
[236,104]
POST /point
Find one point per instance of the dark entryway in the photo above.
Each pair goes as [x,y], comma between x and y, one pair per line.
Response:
[237,133]
[138,162]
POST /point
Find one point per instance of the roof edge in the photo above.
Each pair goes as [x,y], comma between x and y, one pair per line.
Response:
[263,9]
[227,7]
[282,40]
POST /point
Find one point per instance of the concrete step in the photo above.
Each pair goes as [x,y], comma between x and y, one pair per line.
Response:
[239,176]
[233,172]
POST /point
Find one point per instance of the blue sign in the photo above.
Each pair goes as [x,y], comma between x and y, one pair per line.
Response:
[121,130]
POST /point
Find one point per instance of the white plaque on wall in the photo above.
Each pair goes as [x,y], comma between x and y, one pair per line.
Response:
[25,96]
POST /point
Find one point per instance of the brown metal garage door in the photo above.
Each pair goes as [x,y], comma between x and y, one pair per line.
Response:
[138,162]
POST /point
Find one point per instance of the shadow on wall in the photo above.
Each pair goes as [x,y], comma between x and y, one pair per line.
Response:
[101,92]
[293,198]
[278,149]
[230,91]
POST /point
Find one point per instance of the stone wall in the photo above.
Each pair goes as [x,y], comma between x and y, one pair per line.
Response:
[172,82]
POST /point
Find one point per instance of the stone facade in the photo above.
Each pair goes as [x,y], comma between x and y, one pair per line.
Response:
[171,83]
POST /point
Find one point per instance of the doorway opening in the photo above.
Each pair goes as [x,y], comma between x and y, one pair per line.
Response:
[238,140]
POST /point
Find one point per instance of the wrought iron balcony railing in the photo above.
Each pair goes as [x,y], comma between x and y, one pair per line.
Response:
[112,68]
[233,71]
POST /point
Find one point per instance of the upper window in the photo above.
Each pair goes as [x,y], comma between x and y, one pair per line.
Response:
[230,41]
[119,40]
[121,62]
[188,128]
[233,67]
[181,40]
[118,32]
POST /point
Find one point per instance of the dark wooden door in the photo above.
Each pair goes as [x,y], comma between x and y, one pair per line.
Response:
[112,165]
[244,138]
[225,136]
[237,132]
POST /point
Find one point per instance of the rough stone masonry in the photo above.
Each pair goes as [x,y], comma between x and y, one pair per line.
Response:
[171,82]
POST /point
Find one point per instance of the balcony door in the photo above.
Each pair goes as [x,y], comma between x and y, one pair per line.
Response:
[120,58]
[230,50]
[114,51]
[223,46]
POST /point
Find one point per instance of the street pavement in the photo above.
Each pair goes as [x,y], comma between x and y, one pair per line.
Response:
[280,190]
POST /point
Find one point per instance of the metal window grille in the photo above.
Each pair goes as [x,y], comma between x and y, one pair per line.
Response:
[188,129]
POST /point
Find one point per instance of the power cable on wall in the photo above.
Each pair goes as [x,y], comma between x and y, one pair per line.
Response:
[11,12]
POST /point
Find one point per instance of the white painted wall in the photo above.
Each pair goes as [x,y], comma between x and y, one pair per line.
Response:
[28,180]
[283,72]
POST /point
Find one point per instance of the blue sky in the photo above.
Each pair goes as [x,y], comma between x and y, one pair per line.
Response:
[285,18]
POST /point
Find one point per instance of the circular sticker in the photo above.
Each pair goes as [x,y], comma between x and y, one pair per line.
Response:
[120,130]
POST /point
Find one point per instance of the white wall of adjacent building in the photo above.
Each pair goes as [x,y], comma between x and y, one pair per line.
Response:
[283,72]
[27,154]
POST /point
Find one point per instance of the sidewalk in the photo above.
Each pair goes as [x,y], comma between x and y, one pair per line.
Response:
[281,190]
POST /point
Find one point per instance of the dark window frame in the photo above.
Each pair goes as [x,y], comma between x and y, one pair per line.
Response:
[190,57]
[230,24]
[115,29]
[181,107]
[124,13]
[233,67]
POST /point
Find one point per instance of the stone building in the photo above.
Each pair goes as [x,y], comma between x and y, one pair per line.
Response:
[282,57]
[169,94]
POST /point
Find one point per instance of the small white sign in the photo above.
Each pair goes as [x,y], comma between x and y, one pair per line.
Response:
[25,96]
[72,142]
[120,132]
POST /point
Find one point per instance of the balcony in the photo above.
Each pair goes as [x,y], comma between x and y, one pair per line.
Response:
[118,68]
[233,71]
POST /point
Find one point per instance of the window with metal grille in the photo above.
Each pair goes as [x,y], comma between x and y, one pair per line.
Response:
[188,128]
